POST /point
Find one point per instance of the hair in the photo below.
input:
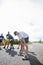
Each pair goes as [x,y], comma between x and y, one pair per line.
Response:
[15,32]
[8,32]
[1,34]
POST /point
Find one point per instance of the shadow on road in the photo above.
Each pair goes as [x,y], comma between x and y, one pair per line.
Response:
[33,60]
[11,52]
[0,48]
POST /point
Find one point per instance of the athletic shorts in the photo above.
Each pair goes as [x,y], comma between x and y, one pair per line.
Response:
[11,41]
[26,39]
[0,40]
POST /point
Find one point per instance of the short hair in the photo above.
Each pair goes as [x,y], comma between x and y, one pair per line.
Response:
[1,34]
[8,32]
[15,32]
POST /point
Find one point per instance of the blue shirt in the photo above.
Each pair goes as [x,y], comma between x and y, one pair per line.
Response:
[1,37]
[9,36]
[22,34]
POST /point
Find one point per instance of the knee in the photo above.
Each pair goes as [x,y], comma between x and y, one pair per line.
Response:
[26,46]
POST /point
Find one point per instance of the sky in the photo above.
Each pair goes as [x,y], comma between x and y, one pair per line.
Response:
[22,15]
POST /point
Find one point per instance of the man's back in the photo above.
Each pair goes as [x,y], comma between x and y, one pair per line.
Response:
[9,36]
[23,34]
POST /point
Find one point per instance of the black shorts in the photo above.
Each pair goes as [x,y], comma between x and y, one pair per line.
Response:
[12,41]
[0,41]
[26,39]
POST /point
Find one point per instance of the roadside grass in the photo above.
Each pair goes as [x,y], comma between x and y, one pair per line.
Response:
[41,42]
[37,42]
[30,43]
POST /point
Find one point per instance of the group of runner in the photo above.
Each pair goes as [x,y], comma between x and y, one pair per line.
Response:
[23,40]
[9,40]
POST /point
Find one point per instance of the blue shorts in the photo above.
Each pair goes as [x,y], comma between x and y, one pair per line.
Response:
[26,39]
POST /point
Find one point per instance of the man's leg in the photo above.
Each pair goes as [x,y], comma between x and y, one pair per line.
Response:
[11,45]
[26,50]
[22,45]
[26,45]
[21,48]
[4,44]
[0,45]
[8,44]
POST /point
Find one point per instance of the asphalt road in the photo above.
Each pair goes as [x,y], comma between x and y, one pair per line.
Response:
[8,57]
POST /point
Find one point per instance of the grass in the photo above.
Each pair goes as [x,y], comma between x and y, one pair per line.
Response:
[30,43]
[41,42]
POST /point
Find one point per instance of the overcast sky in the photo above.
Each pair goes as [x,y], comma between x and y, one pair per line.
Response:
[22,15]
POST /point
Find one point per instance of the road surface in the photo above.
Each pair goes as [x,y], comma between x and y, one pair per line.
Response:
[8,57]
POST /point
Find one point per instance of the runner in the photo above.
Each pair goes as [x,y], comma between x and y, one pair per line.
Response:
[11,40]
[1,39]
[24,39]
[6,43]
